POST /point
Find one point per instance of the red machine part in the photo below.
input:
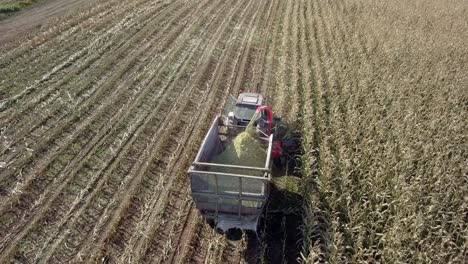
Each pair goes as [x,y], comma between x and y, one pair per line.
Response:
[276,148]
[269,114]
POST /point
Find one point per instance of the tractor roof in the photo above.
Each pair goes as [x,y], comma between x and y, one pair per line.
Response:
[250,99]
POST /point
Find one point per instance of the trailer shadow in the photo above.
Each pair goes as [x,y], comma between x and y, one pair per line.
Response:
[279,237]
[281,227]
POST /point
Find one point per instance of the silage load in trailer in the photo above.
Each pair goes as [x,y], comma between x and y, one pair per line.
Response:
[244,150]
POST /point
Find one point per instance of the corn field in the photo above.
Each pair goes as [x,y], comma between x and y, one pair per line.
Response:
[385,128]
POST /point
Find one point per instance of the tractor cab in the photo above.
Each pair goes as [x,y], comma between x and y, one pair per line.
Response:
[240,111]
[247,107]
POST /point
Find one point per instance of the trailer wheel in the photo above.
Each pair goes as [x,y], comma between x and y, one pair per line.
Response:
[234,234]
[211,223]
[219,231]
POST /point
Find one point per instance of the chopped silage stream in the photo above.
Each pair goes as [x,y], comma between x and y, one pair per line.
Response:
[244,150]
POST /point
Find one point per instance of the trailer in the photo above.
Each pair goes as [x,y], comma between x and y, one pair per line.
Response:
[233,199]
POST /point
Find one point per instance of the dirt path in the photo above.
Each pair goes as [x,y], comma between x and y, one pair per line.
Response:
[37,16]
